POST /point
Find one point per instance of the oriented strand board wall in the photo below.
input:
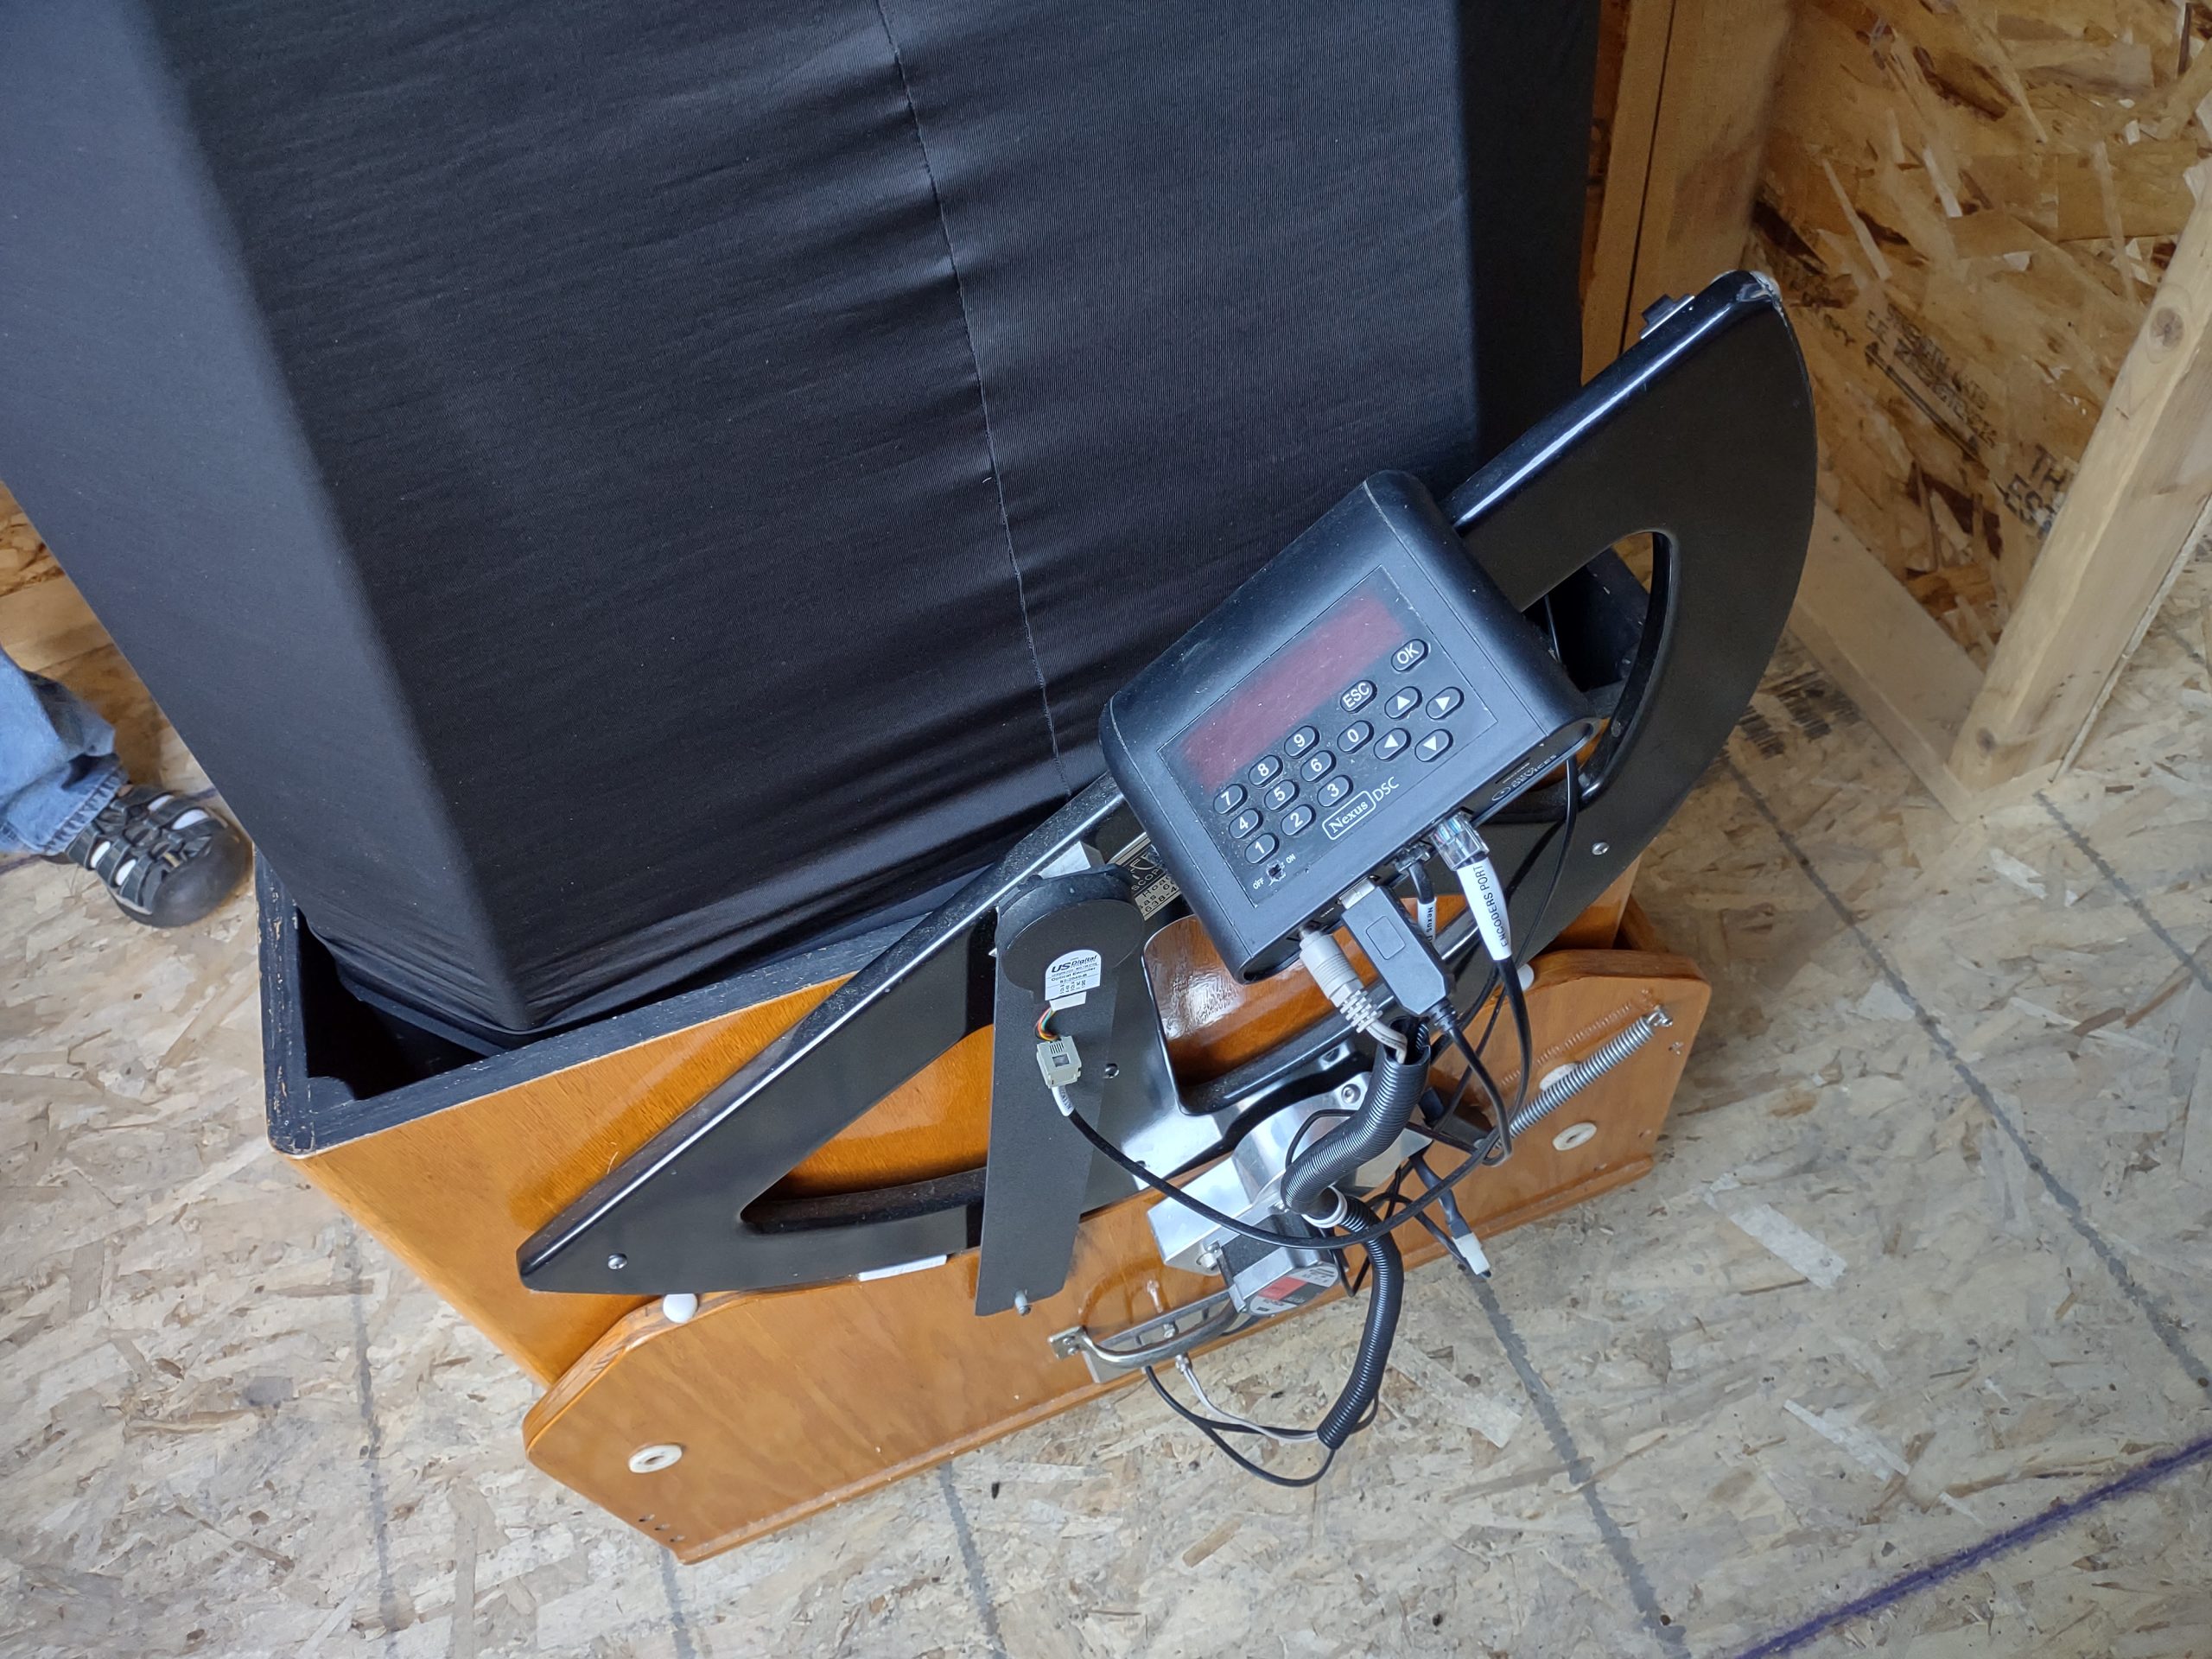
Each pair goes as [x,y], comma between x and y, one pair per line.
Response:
[1605,101]
[1969,203]
[42,621]
[24,561]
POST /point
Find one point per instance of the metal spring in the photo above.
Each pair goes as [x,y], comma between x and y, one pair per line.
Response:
[1583,1073]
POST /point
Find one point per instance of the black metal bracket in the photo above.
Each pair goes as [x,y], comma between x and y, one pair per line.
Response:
[1701,433]
[1083,927]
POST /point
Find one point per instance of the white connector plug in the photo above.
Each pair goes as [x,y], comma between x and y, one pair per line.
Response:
[1332,971]
[1468,856]
[1062,1065]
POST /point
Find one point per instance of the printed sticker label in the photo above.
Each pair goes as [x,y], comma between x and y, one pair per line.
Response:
[1072,975]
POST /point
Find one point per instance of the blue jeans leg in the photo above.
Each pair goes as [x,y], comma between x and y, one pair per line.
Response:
[57,763]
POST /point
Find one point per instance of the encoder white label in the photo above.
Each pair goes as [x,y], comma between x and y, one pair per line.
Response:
[1073,974]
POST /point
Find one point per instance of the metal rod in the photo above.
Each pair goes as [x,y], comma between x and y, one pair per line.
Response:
[1583,1073]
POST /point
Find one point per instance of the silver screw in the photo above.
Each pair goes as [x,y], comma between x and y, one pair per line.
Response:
[1022,1303]
[1349,1094]
[1599,848]
[1113,1070]
[617,1262]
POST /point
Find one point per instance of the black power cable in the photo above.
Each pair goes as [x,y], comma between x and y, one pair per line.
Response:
[1358,1404]
[1564,825]
[1337,1243]
[1519,999]
[1213,1427]
[1563,829]
[1560,830]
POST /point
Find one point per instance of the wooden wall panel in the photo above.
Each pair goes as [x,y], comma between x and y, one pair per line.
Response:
[1631,56]
[1968,207]
[1716,101]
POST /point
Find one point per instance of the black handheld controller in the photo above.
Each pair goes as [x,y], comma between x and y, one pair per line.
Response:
[1368,681]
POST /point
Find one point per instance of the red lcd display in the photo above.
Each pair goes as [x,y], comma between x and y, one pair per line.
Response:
[1346,644]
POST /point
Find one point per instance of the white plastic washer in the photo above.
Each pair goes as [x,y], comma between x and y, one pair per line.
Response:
[1573,1135]
[651,1460]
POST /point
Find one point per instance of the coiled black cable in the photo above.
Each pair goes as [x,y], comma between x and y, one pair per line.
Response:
[1393,1089]
[1386,1297]
[1339,1242]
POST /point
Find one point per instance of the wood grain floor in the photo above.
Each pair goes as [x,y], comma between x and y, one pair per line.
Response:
[1927,1251]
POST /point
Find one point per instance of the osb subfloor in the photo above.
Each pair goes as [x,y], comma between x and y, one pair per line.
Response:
[1926,1254]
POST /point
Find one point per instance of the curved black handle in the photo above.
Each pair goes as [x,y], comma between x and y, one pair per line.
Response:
[1702,433]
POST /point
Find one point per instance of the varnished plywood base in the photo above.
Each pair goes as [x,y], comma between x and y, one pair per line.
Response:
[455,1191]
[788,1402]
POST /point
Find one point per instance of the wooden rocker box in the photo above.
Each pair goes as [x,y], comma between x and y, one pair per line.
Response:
[786,1400]
[785,1403]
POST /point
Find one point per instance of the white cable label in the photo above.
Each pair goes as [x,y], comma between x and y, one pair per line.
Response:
[1073,974]
[1487,899]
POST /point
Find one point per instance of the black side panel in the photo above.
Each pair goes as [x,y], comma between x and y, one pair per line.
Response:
[612,490]
[145,426]
[1218,262]
[626,341]
[1527,75]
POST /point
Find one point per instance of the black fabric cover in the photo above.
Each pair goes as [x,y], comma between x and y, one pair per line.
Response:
[606,488]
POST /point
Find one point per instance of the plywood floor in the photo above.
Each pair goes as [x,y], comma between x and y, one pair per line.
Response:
[1926,1255]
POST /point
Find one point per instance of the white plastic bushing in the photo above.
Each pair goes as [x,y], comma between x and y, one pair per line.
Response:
[651,1460]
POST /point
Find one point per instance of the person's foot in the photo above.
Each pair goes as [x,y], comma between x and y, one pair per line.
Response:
[163,860]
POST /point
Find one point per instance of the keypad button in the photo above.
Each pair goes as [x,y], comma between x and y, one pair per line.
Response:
[1301,741]
[1229,799]
[1444,702]
[1332,791]
[1295,822]
[1353,735]
[1393,742]
[1404,702]
[1259,850]
[1244,824]
[1406,656]
[1319,764]
[1282,794]
[1264,771]
[1358,696]
[1434,745]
